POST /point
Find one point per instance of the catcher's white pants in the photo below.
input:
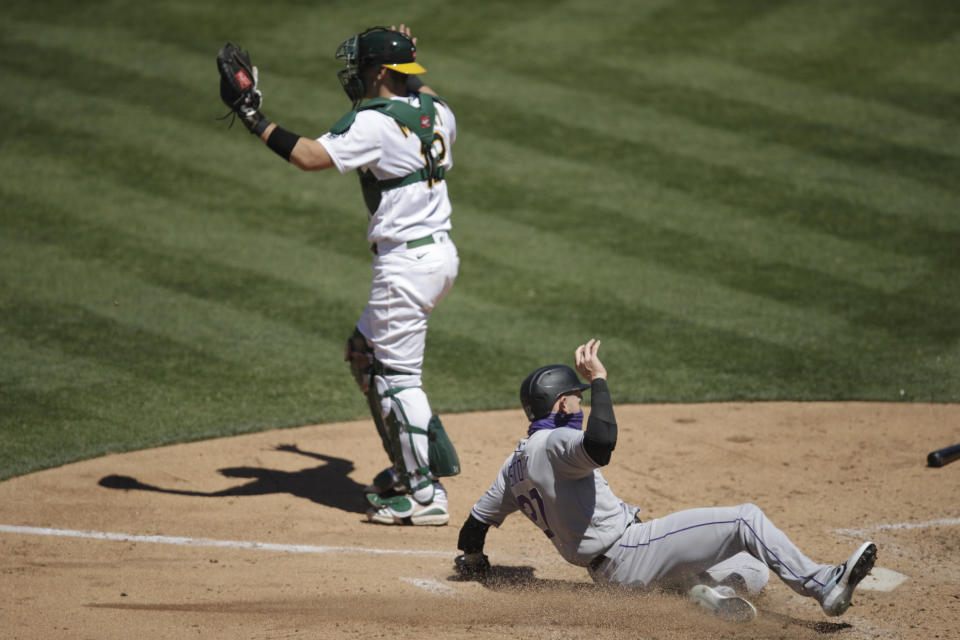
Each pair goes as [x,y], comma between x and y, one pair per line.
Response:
[673,550]
[407,285]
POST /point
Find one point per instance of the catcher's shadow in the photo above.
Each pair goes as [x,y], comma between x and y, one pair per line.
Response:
[329,484]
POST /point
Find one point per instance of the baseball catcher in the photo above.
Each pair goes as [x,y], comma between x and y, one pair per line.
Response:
[398,137]
[716,555]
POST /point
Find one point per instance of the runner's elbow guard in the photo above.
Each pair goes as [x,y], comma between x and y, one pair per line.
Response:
[600,437]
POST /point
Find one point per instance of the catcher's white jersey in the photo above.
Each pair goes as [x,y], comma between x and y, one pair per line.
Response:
[559,487]
[378,143]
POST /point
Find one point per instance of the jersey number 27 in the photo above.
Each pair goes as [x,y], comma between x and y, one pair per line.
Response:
[536,514]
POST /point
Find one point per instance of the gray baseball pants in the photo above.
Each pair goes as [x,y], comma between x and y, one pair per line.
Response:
[672,551]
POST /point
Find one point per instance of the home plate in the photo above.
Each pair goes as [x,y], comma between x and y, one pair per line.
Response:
[433,586]
[880,579]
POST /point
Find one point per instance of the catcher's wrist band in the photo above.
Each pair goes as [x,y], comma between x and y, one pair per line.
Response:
[282,142]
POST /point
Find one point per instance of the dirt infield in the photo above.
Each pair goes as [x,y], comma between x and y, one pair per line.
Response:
[175,542]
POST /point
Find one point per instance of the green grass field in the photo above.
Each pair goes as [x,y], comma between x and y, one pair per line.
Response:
[745,200]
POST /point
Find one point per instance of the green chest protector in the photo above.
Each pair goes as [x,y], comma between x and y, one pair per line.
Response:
[419,121]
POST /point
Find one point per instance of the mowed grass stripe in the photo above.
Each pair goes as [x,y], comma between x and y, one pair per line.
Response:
[43,367]
[81,332]
[895,33]
[664,316]
[930,65]
[793,29]
[563,23]
[617,132]
[661,284]
[624,82]
[905,310]
[121,289]
[750,189]
[797,108]
[858,61]
[654,210]
[903,255]
[671,323]
[812,281]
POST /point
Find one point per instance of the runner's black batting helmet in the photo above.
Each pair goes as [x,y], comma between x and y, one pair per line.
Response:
[540,389]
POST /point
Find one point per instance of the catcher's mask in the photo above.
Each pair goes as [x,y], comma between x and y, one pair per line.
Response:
[540,390]
[377,46]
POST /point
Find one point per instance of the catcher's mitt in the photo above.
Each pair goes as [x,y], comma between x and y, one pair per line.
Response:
[238,87]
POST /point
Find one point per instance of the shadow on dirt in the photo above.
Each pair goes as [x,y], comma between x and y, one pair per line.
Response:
[818,626]
[503,578]
[328,484]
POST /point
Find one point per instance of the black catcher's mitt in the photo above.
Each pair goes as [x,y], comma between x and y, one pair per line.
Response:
[238,87]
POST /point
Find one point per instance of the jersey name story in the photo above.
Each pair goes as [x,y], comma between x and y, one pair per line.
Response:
[517,471]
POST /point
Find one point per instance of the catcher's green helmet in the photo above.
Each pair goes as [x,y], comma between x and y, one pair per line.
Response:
[377,46]
[540,390]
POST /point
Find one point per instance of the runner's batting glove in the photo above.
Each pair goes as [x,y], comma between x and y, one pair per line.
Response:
[472,566]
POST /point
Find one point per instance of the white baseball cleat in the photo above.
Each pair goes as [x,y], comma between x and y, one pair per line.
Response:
[839,590]
[724,602]
[406,510]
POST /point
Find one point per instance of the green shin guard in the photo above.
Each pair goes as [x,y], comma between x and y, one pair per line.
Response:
[444,461]
[397,423]
[376,410]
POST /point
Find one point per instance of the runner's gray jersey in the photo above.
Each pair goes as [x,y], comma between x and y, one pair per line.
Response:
[552,480]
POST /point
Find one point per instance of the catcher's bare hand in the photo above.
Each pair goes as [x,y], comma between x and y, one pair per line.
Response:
[472,566]
[405,30]
[587,362]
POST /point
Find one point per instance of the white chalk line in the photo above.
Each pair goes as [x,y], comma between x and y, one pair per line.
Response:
[899,526]
[210,542]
